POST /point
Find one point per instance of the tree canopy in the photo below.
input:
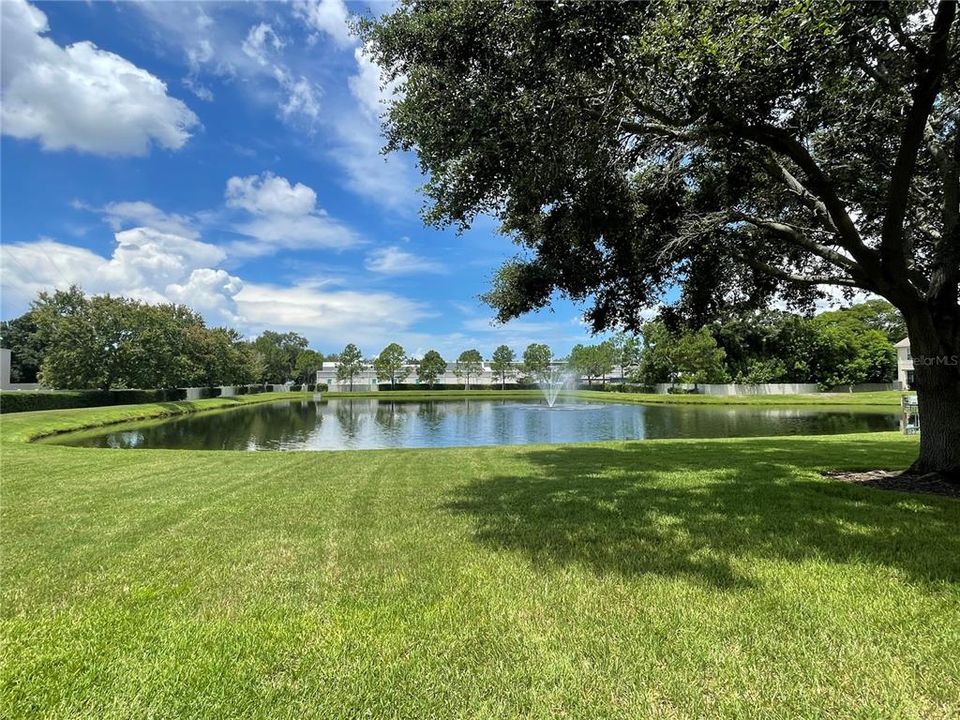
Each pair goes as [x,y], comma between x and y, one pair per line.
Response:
[501,364]
[469,364]
[350,364]
[391,364]
[277,355]
[431,367]
[536,360]
[745,151]
[105,341]
[593,361]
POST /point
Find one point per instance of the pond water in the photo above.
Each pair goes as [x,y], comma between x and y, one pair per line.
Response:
[343,424]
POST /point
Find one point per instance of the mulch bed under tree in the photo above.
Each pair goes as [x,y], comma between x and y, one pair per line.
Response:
[893,480]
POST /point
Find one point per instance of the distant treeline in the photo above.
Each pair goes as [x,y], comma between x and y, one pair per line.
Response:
[70,340]
[841,347]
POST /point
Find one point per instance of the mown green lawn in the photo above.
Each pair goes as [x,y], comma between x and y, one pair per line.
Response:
[662,579]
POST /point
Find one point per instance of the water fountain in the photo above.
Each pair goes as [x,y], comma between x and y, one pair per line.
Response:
[552,382]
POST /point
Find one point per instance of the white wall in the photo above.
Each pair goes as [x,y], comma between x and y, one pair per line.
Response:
[4,368]
[739,389]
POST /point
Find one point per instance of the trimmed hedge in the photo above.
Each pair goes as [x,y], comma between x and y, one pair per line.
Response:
[628,388]
[26,400]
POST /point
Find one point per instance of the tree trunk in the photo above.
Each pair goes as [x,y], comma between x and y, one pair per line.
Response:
[936,361]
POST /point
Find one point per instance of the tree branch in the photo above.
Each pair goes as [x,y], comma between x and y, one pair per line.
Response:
[794,236]
[767,269]
[776,170]
[780,141]
[945,273]
[928,82]
[897,29]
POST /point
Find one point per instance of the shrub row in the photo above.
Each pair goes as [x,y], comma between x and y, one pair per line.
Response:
[628,388]
[24,401]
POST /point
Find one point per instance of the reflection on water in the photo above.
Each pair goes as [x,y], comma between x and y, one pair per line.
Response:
[342,424]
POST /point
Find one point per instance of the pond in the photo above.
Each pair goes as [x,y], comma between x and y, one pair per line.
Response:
[346,423]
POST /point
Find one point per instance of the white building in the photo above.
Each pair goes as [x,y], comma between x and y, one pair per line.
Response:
[366,379]
[904,364]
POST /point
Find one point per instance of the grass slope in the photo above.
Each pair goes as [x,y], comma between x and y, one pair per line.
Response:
[662,579]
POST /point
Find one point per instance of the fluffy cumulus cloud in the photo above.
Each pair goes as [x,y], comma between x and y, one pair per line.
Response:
[80,96]
[284,215]
[159,267]
[394,260]
[146,263]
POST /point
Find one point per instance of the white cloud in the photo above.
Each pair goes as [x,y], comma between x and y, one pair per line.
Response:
[268,194]
[260,40]
[369,86]
[161,257]
[284,215]
[145,264]
[157,267]
[139,213]
[391,181]
[395,261]
[197,88]
[301,103]
[329,17]
[333,315]
[215,43]
[283,231]
[208,291]
[80,96]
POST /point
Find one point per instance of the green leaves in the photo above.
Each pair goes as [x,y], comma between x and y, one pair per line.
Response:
[105,341]
[431,367]
[622,144]
[390,364]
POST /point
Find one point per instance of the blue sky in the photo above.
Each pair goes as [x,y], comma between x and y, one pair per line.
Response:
[227,156]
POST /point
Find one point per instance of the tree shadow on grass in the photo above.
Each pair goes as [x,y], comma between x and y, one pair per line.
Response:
[705,511]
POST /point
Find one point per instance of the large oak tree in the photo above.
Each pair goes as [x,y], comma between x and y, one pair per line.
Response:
[745,151]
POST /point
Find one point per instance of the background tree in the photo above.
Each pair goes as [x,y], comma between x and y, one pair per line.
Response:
[536,361]
[307,364]
[391,364]
[502,364]
[687,357]
[469,364]
[655,364]
[695,358]
[626,347]
[216,356]
[430,368]
[278,354]
[743,150]
[593,361]
[350,364]
[89,340]
[870,315]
